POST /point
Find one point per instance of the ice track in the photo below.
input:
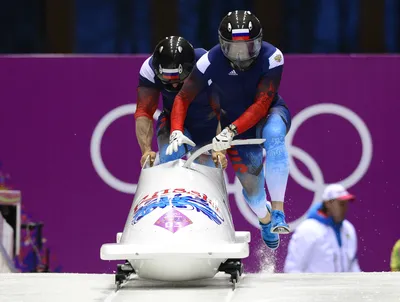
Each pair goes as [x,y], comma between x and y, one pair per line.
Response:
[342,287]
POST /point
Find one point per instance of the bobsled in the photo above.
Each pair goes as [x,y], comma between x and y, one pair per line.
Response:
[180,227]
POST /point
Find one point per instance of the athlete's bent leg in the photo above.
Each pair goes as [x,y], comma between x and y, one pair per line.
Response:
[276,169]
[247,161]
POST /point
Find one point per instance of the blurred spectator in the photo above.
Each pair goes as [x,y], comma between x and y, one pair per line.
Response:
[336,26]
[392,25]
[22,28]
[321,26]
[5,179]
[118,26]
[395,259]
[199,19]
[325,242]
[133,26]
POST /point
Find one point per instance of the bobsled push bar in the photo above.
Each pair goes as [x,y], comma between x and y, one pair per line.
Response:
[255,141]
[206,148]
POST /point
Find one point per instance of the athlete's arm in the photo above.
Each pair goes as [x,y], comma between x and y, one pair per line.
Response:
[266,91]
[147,102]
[193,85]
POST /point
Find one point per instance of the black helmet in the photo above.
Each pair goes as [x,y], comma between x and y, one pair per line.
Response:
[173,61]
[240,37]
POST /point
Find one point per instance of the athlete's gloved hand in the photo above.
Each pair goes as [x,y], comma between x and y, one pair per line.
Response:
[176,139]
[223,140]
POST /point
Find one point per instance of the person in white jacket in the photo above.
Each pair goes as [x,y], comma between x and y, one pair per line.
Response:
[325,242]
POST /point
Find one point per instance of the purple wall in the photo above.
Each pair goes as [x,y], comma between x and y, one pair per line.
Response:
[49,108]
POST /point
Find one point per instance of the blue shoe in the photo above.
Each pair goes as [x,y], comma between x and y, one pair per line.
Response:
[270,239]
[279,225]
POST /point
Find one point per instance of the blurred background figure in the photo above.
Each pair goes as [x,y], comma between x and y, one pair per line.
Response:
[135,26]
[325,242]
[33,253]
[395,258]
[7,223]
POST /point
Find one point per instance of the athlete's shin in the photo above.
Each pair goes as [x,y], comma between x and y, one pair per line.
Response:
[247,162]
[257,204]
[277,160]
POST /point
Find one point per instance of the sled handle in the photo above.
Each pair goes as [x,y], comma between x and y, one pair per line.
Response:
[147,161]
[253,141]
[219,164]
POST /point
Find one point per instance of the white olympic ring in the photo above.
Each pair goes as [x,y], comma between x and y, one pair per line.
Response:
[95,147]
[316,185]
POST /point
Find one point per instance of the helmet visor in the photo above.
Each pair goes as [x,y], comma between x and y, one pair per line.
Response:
[241,51]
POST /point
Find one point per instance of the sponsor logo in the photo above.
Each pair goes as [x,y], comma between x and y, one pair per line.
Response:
[177,199]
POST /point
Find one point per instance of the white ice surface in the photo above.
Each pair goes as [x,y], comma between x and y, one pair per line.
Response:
[353,287]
